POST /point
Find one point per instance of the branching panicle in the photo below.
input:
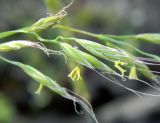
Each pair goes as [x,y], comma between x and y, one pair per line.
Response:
[96,56]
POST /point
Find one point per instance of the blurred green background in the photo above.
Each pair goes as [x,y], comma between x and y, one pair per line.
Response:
[112,104]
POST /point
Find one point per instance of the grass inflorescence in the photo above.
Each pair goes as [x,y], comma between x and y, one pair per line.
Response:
[124,64]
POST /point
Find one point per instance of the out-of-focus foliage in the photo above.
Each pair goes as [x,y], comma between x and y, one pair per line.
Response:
[7,110]
[53,5]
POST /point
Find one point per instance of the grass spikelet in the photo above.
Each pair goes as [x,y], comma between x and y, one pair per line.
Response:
[105,38]
[84,58]
[18,44]
[51,20]
[74,54]
[48,22]
[101,50]
[152,38]
[97,64]
[44,80]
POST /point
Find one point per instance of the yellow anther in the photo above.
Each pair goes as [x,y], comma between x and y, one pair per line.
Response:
[75,74]
[39,89]
[79,74]
[133,73]
[118,65]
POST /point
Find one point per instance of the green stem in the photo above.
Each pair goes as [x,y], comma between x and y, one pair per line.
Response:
[13,32]
[26,31]
[76,30]
[123,37]
[38,37]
